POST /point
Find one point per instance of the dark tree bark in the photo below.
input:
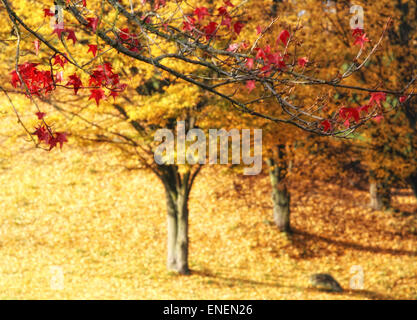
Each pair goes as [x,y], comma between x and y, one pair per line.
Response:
[280,193]
[412,180]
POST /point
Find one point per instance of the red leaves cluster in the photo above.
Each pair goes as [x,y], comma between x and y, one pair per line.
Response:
[360,37]
[37,81]
[46,135]
[103,76]
[194,20]
[348,114]
[130,40]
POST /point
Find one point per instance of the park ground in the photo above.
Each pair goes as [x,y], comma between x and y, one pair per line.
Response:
[79,218]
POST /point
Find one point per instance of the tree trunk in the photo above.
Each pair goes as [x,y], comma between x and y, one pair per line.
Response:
[172,232]
[182,235]
[177,190]
[281,200]
[380,196]
[280,194]
[413,183]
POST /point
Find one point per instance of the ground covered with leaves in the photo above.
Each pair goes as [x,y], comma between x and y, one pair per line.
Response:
[104,227]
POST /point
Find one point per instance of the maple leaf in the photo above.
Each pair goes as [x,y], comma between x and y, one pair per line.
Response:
[238,26]
[348,113]
[47,13]
[327,126]
[93,49]
[36,44]
[61,60]
[210,30]
[40,115]
[365,108]
[42,133]
[15,79]
[361,40]
[227,21]
[58,29]
[97,94]
[188,24]
[357,32]
[284,37]
[124,34]
[377,97]
[228,3]
[92,23]
[201,12]
[61,138]
[74,81]
[250,85]
[223,11]
[258,30]
[260,53]
[302,61]
[249,63]
[71,35]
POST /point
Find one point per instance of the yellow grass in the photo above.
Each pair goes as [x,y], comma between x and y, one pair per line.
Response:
[104,228]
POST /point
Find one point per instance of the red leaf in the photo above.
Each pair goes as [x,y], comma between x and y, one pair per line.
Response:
[74,81]
[250,85]
[58,29]
[365,108]
[40,115]
[357,32]
[377,97]
[71,35]
[92,23]
[188,24]
[48,13]
[403,99]
[210,30]
[284,37]
[201,13]
[93,49]
[228,3]
[97,94]
[249,63]
[61,60]
[302,61]
[327,126]
[42,134]
[60,137]
[361,40]
[348,113]
[258,30]
[238,26]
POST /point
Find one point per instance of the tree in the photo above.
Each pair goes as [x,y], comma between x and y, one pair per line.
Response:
[162,47]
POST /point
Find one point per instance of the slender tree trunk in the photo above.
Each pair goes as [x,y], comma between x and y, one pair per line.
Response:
[280,193]
[380,196]
[177,189]
[413,183]
[182,236]
[172,217]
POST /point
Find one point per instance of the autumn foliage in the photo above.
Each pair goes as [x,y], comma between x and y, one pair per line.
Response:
[335,100]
